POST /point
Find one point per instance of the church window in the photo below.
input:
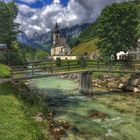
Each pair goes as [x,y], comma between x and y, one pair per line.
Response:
[57,36]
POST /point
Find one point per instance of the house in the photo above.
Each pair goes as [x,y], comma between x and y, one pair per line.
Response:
[122,55]
[3,48]
[134,53]
[60,48]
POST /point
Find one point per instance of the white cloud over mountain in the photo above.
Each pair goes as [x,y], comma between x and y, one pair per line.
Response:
[42,20]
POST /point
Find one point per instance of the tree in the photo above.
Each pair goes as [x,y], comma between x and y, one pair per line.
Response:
[8,27]
[138,15]
[116,28]
[74,42]
[40,54]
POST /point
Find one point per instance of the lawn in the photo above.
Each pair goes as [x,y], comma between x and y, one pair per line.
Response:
[4,71]
[16,117]
[88,46]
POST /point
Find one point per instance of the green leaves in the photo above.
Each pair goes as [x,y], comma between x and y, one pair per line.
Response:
[8,28]
[116,28]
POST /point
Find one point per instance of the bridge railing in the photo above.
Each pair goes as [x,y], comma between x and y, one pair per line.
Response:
[36,68]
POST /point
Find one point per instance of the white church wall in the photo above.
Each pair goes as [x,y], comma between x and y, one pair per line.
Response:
[66,57]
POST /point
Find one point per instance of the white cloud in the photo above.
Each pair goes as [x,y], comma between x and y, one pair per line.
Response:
[42,20]
[56,1]
[29,1]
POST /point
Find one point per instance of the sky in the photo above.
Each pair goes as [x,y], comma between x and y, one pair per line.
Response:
[39,16]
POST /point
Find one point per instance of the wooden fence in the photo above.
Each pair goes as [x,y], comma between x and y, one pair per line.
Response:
[35,68]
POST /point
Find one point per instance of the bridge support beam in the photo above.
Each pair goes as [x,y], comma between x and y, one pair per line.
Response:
[86,82]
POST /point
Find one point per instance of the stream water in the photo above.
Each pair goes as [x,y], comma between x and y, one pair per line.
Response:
[69,105]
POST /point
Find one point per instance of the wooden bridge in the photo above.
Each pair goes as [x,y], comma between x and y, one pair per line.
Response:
[42,69]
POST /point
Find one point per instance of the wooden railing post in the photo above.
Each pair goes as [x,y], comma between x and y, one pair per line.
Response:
[68,66]
[12,74]
[51,67]
[32,69]
[98,65]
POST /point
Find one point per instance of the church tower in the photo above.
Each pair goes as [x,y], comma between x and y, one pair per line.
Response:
[56,34]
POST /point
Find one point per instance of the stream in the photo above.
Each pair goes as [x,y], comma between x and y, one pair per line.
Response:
[106,116]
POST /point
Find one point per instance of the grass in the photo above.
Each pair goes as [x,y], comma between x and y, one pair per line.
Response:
[122,102]
[4,71]
[16,122]
[88,46]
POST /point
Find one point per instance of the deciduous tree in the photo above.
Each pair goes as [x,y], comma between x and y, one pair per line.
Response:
[117,28]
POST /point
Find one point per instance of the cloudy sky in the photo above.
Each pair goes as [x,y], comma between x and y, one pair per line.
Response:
[39,16]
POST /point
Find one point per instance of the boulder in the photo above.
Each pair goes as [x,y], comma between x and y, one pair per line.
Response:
[123,80]
[139,87]
[139,81]
[136,90]
[112,85]
[134,82]
[129,88]
[121,86]
[107,76]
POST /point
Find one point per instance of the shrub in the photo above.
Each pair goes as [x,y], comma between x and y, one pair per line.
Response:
[58,62]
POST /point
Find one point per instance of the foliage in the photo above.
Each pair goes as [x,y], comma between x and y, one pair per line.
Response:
[8,34]
[40,54]
[74,42]
[116,28]
[58,62]
[27,52]
[8,28]
[138,14]
[82,62]
[15,57]
[4,71]
[89,32]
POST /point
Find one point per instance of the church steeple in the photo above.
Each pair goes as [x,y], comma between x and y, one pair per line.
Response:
[56,28]
[56,34]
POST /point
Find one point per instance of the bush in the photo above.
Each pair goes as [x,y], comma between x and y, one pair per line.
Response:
[82,61]
[58,62]
[3,59]
[4,71]
[15,57]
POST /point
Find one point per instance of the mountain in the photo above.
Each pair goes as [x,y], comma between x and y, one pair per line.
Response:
[44,41]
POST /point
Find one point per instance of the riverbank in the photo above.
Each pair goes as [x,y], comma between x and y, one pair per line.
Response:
[19,120]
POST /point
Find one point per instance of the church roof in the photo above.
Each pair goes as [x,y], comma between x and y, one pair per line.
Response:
[61,42]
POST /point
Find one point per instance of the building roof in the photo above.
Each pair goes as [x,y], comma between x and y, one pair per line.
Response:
[61,42]
[3,46]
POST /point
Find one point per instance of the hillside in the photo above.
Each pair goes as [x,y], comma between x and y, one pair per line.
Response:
[88,46]
[86,42]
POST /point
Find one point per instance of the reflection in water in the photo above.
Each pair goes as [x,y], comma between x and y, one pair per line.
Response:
[92,119]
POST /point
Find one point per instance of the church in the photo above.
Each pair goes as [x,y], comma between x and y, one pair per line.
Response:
[60,48]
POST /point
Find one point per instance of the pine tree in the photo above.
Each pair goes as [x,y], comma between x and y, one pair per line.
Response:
[8,27]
